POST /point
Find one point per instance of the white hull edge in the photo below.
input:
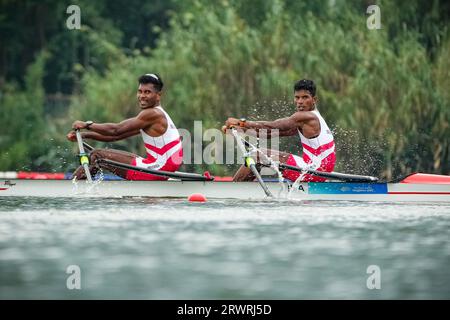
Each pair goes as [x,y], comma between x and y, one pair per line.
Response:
[384,192]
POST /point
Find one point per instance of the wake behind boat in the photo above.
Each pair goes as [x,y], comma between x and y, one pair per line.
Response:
[414,188]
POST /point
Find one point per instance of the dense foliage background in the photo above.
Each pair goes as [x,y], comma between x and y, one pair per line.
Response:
[385,92]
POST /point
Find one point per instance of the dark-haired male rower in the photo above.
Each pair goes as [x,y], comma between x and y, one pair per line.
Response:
[316,138]
[159,134]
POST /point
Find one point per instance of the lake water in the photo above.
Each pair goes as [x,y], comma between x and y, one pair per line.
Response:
[141,248]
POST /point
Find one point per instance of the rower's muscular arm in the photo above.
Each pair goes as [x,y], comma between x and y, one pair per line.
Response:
[108,132]
[125,128]
[269,133]
[286,126]
[100,137]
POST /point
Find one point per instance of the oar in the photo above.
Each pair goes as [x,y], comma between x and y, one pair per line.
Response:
[332,175]
[250,163]
[177,175]
[88,147]
[84,159]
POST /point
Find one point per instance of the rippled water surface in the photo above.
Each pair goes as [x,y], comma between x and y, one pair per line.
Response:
[172,249]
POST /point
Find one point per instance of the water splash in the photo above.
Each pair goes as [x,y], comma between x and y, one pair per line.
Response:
[359,154]
[296,185]
[314,165]
[273,109]
[99,177]
[88,188]
[75,185]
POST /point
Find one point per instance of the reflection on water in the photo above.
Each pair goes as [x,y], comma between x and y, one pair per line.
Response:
[142,248]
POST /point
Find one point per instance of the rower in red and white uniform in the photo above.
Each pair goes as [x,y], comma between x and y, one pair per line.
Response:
[318,153]
[164,152]
[160,136]
[315,135]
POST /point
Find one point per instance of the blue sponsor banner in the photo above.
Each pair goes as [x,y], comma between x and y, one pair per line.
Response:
[106,176]
[346,188]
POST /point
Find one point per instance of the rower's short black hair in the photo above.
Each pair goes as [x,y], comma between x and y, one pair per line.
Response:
[152,78]
[307,85]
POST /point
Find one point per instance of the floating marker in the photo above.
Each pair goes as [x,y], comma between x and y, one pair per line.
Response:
[197,197]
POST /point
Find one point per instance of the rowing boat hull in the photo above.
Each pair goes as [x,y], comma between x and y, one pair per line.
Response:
[385,192]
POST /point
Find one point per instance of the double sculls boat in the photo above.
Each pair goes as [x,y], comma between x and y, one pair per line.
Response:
[416,187]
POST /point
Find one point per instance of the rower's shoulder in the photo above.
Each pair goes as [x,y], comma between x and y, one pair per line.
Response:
[150,114]
[305,116]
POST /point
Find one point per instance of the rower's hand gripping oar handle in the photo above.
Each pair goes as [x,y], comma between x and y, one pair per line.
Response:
[84,159]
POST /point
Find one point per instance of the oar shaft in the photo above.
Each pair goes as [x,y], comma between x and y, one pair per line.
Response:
[177,175]
[84,160]
[260,180]
[88,147]
[250,163]
[80,141]
[331,175]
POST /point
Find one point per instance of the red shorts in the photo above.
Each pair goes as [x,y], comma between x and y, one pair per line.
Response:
[326,166]
[172,164]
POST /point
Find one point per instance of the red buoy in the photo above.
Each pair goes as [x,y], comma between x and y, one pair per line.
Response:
[197,197]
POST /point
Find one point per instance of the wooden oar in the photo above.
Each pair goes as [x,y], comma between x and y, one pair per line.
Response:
[250,162]
[177,175]
[84,159]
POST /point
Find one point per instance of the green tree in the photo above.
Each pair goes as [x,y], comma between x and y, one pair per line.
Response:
[384,92]
[23,136]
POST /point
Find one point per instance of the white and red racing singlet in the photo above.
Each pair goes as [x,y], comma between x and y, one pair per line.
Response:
[163,153]
[318,153]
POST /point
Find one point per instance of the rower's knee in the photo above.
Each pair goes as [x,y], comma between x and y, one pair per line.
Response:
[96,155]
[243,174]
